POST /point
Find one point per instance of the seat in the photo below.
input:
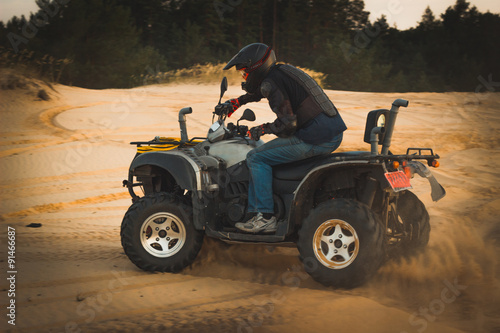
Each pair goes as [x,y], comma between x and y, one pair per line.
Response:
[299,169]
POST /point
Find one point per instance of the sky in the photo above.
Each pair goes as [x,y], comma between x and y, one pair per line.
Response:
[406,14]
[402,13]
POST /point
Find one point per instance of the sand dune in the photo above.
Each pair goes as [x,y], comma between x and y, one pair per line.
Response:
[62,162]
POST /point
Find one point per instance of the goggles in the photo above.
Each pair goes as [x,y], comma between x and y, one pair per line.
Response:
[244,74]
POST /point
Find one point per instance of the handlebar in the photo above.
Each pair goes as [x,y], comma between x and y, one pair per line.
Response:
[223,109]
[237,130]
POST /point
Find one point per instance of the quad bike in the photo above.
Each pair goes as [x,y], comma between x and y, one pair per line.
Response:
[344,211]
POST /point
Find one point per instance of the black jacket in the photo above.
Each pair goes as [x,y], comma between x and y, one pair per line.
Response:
[297,113]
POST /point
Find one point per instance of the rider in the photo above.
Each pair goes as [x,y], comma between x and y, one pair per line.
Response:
[307,124]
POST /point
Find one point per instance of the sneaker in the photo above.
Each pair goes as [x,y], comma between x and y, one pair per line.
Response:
[257,224]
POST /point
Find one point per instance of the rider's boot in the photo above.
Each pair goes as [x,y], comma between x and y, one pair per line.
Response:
[258,224]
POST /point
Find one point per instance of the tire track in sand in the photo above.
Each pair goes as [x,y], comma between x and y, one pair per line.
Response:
[50,179]
[141,281]
[46,122]
[53,207]
[227,300]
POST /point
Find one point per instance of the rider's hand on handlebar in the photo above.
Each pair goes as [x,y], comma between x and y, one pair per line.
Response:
[256,132]
[235,104]
[223,109]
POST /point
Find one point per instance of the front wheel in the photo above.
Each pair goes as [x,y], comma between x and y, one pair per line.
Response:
[157,233]
[341,243]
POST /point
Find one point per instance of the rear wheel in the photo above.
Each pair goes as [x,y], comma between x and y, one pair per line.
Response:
[157,233]
[413,218]
[341,243]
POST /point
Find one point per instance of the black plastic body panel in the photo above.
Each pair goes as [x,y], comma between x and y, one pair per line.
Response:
[177,166]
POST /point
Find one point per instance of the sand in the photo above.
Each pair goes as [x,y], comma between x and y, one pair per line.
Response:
[62,164]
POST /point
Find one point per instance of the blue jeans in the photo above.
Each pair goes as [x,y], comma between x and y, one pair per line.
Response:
[278,151]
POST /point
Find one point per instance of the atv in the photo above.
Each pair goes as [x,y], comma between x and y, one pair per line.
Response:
[346,212]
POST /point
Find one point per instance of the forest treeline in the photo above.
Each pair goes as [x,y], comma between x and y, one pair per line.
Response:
[110,43]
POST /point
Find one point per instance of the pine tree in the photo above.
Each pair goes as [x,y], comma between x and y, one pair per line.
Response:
[101,40]
[428,21]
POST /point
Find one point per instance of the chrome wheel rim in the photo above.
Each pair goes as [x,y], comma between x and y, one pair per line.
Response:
[163,235]
[336,244]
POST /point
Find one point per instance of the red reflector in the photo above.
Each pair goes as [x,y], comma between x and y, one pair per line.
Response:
[398,180]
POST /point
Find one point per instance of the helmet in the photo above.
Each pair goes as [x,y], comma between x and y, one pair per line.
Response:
[255,61]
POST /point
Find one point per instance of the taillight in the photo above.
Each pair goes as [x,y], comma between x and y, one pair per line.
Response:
[407,171]
[435,163]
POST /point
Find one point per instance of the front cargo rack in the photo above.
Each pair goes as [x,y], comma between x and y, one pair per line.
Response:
[165,144]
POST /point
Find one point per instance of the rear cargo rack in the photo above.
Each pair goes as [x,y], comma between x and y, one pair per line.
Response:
[419,151]
[409,156]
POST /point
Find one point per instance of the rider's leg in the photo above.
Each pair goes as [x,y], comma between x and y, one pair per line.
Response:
[278,151]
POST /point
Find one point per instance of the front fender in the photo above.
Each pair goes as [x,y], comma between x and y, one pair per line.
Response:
[184,170]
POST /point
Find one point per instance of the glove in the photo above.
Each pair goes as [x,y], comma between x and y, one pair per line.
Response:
[256,132]
[235,103]
[223,109]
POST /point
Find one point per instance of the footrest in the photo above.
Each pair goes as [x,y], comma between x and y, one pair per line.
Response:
[244,237]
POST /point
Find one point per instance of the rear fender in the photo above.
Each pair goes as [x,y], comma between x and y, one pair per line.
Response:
[360,175]
[437,191]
